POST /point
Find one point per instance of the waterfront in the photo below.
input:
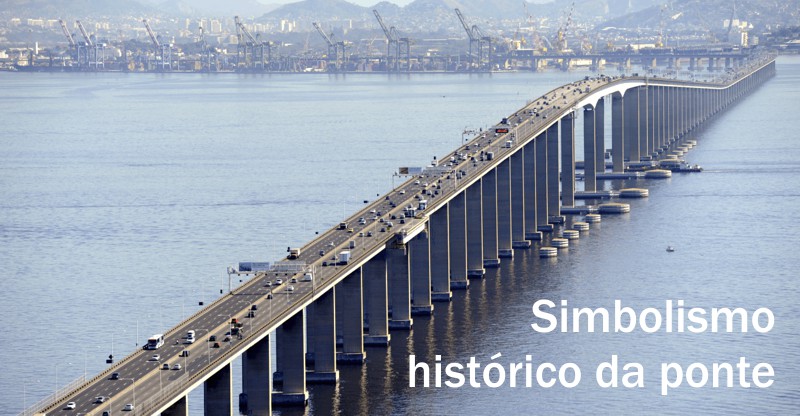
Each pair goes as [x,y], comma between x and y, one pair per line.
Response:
[153,185]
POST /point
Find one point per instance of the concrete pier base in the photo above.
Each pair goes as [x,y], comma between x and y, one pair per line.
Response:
[545,228]
[326,377]
[476,273]
[556,219]
[505,253]
[494,263]
[533,235]
[459,285]
[377,339]
[401,323]
[442,296]
[351,357]
[425,310]
[289,399]
[521,244]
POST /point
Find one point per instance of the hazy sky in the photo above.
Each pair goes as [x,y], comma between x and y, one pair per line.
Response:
[365,3]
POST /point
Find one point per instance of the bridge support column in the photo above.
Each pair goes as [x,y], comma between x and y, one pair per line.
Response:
[568,160]
[375,285]
[218,393]
[504,244]
[589,169]
[458,241]
[643,141]
[529,173]
[542,193]
[617,132]
[554,196]
[181,408]
[399,286]
[489,204]
[323,337]
[351,304]
[256,378]
[291,344]
[600,135]
[631,134]
[518,201]
[419,249]
[475,230]
[440,255]
[650,146]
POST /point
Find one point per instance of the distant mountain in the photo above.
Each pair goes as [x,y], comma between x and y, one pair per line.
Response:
[317,10]
[83,8]
[205,8]
[709,15]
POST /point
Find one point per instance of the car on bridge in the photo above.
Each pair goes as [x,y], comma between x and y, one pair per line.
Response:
[70,406]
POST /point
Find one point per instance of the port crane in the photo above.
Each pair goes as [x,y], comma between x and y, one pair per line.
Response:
[476,37]
[561,35]
[246,41]
[205,51]
[92,51]
[336,50]
[393,38]
[163,50]
[73,47]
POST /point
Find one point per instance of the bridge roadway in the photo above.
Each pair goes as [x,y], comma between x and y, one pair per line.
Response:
[144,384]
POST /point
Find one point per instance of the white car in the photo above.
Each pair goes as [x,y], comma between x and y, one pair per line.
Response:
[176,367]
[278,281]
[155,357]
[128,407]
[70,406]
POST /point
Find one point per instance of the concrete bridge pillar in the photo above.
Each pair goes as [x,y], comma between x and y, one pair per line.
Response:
[712,65]
[650,143]
[489,204]
[440,255]
[618,132]
[568,160]
[631,122]
[419,249]
[256,378]
[291,345]
[504,243]
[644,145]
[518,201]
[475,230]
[531,221]
[377,303]
[660,118]
[458,242]
[218,393]
[399,286]
[589,169]
[542,184]
[600,135]
[322,336]
[350,303]
[181,408]
[554,197]
[728,64]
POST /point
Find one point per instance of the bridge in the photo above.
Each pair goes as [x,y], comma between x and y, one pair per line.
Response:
[508,186]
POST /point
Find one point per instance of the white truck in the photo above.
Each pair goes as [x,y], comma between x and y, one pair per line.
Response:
[344,257]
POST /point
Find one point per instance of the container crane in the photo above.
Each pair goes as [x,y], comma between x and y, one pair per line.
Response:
[206,51]
[92,52]
[73,47]
[335,60]
[246,41]
[163,50]
[536,40]
[393,37]
[476,36]
[561,35]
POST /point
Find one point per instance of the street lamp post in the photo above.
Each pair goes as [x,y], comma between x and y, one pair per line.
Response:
[133,383]
[58,389]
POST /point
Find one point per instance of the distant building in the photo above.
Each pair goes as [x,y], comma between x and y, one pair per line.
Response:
[216,26]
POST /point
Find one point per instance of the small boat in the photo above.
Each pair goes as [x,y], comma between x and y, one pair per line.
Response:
[670,249]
